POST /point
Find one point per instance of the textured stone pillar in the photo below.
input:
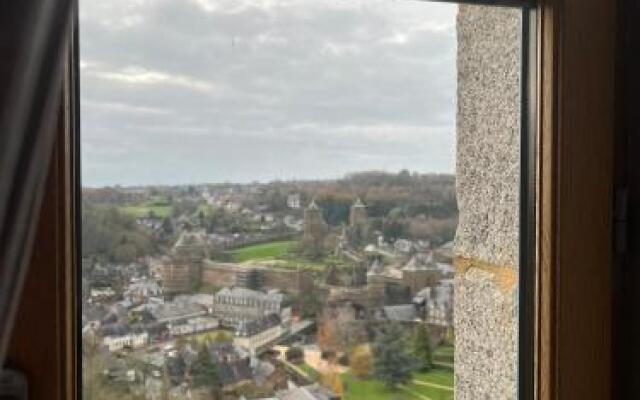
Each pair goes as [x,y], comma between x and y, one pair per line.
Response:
[487,179]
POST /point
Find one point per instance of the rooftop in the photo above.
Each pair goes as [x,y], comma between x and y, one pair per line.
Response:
[244,293]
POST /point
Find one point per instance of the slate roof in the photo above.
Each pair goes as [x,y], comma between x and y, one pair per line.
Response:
[358,204]
[114,329]
[421,262]
[226,351]
[234,372]
[176,310]
[244,293]
[254,327]
[400,313]
[233,363]
[91,312]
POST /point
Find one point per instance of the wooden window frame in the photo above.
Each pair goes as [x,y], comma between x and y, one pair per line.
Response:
[576,116]
[575,153]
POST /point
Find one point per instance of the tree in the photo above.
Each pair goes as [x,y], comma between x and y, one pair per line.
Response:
[205,371]
[361,361]
[253,280]
[294,354]
[111,235]
[331,379]
[392,364]
[167,226]
[393,227]
[327,334]
[421,347]
[309,303]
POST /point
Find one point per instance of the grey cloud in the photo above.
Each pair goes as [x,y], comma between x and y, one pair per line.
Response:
[216,90]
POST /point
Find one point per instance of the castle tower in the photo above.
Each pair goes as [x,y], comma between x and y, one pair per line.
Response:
[315,228]
[359,221]
[315,231]
[181,271]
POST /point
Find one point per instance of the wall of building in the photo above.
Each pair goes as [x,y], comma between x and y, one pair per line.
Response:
[288,280]
[487,179]
[225,275]
[219,274]
[180,277]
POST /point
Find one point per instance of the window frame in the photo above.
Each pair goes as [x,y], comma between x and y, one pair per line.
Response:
[575,109]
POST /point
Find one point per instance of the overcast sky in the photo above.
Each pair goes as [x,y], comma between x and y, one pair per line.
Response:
[194,91]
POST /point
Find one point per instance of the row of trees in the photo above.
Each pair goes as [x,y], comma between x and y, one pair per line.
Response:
[393,356]
[112,236]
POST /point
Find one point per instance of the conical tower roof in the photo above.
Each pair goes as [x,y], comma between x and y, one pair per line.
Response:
[313,205]
[358,203]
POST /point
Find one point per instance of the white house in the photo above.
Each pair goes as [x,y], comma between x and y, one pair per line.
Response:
[194,325]
[132,340]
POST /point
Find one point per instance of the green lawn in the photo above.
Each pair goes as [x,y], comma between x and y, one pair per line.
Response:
[309,370]
[218,335]
[439,376]
[444,354]
[280,254]
[262,252]
[445,350]
[160,211]
[372,389]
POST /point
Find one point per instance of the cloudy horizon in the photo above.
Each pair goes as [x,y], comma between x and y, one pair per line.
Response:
[195,91]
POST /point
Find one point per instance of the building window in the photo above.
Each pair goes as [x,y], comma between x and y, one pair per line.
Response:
[371,161]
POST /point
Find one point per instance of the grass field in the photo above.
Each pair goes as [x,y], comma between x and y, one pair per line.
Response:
[438,376]
[213,336]
[444,351]
[309,370]
[262,252]
[372,389]
[160,211]
[280,254]
[444,354]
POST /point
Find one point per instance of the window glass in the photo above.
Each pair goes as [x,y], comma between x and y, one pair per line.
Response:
[300,199]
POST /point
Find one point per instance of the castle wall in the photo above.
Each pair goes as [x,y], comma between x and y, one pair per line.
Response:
[219,274]
[225,274]
[180,278]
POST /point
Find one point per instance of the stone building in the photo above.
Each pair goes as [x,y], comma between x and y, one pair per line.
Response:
[140,291]
[234,365]
[358,222]
[236,305]
[315,227]
[260,333]
[181,271]
[421,270]
[128,340]
[293,201]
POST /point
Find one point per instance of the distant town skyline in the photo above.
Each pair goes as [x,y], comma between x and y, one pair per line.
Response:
[257,182]
[213,91]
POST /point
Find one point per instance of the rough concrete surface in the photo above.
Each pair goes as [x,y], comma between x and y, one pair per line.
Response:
[488,133]
[487,179]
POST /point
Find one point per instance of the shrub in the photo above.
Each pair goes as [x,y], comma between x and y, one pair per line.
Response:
[294,354]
